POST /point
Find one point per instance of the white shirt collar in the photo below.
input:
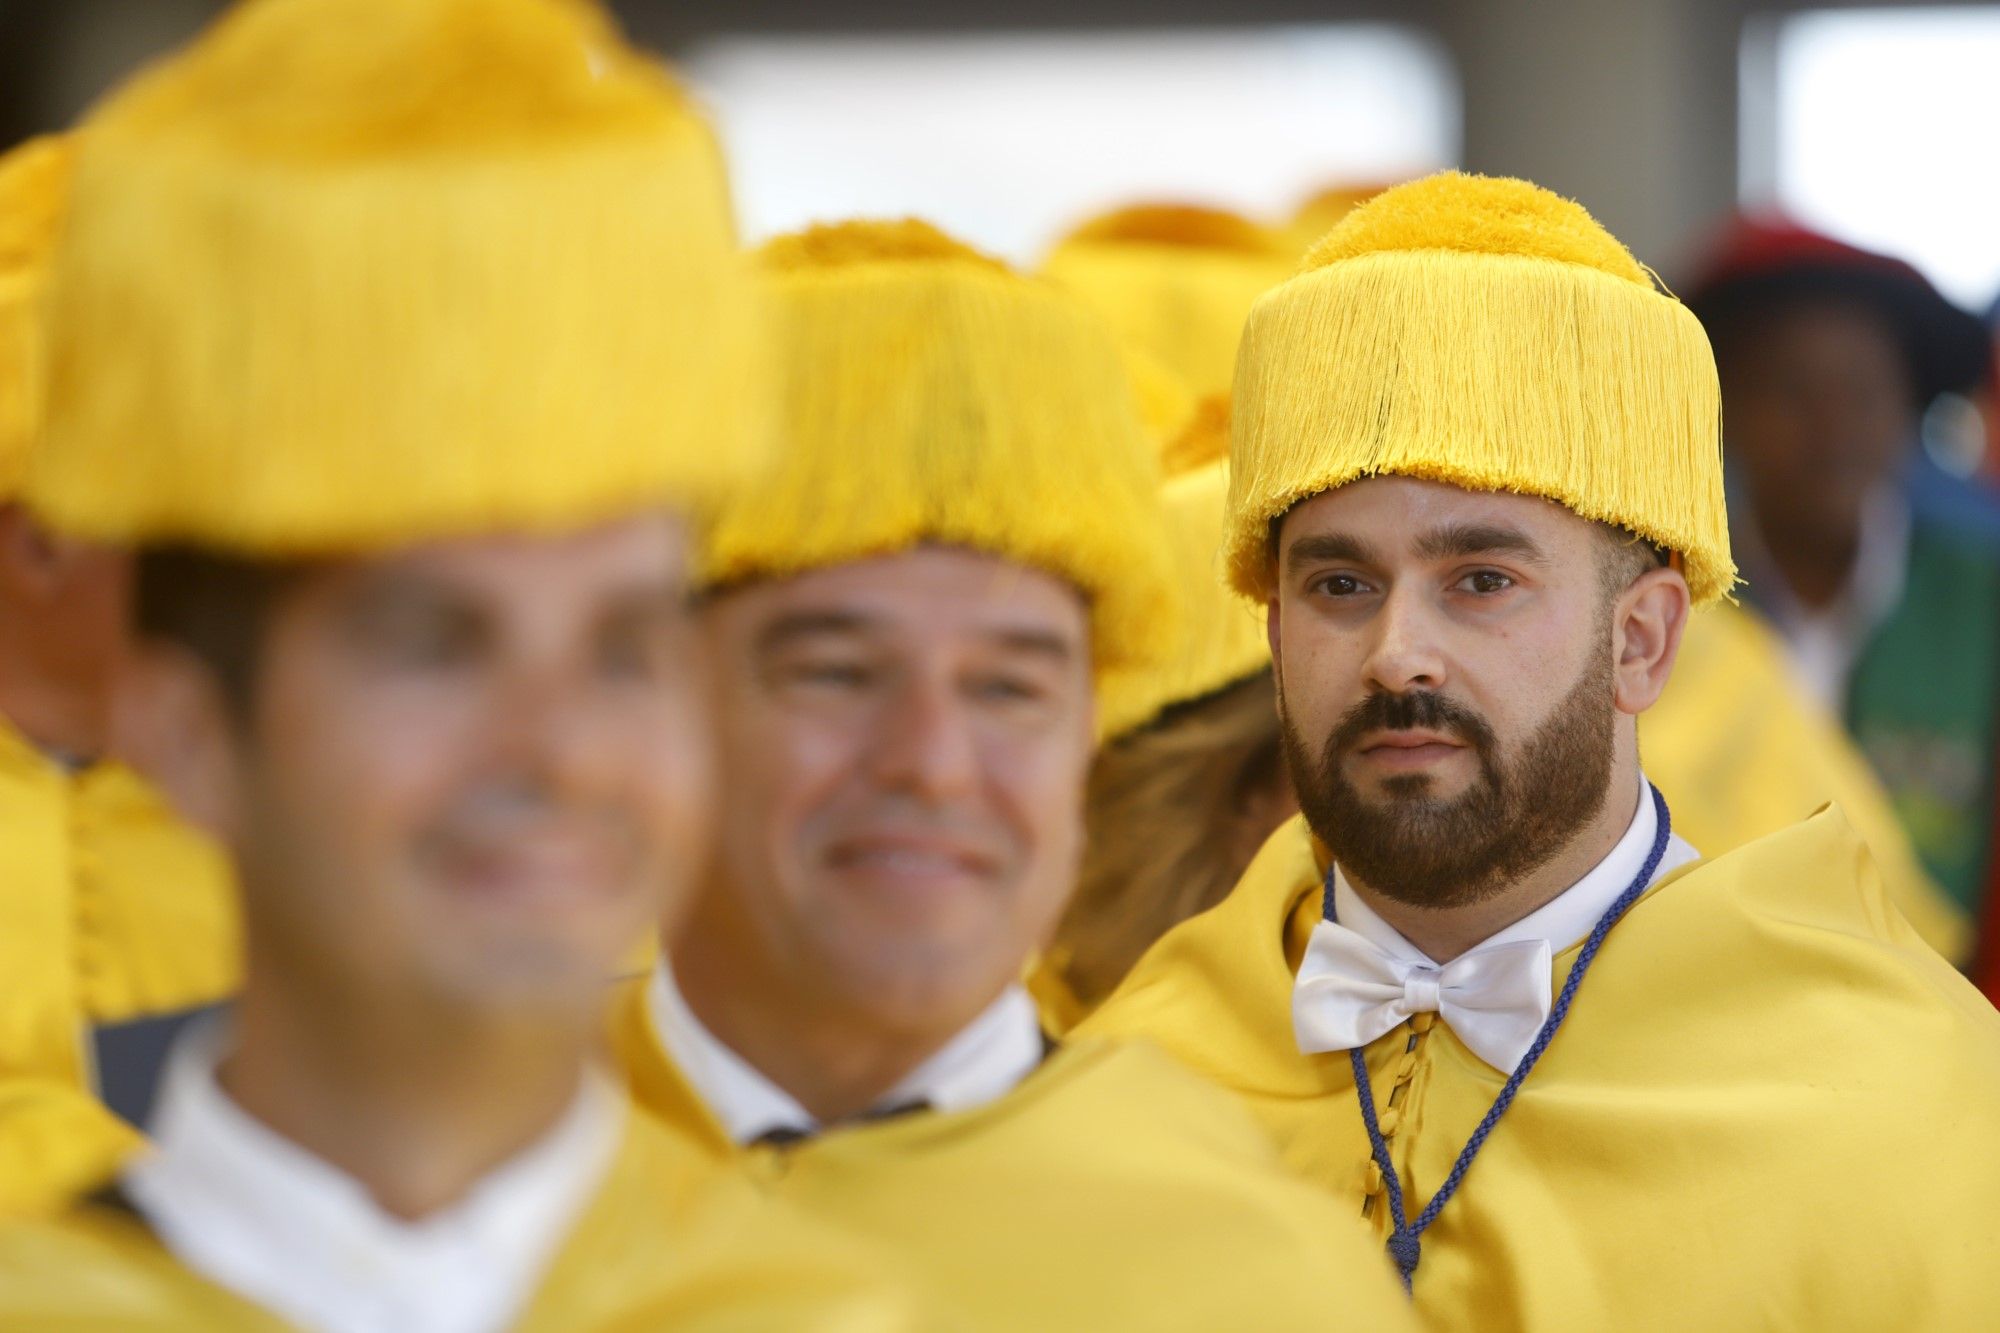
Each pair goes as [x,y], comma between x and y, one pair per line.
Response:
[1561,922]
[985,1061]
[255,1213]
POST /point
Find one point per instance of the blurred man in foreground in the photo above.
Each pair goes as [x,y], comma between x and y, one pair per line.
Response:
[402,373]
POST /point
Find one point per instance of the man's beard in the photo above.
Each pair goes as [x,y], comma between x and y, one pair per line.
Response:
[1425,851]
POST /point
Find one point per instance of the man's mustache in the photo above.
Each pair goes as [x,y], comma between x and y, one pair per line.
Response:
[1408,711]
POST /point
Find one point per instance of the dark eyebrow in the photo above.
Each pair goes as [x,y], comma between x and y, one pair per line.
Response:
[1464,539]
[1329,546]
[808,624]
[1037,643]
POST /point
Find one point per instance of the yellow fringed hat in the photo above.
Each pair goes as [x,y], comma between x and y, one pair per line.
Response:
[1174,281]
[930,394]
[1222,639]
[34,182]
[1485,333]
[345,274]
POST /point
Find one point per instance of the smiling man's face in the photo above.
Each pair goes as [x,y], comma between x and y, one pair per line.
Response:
[470,773]
[904,746]
[1446,676]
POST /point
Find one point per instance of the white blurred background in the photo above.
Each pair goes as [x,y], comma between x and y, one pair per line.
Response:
[1007,121]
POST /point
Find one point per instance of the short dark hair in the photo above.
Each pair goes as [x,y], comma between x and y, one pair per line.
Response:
[215,606]
[1623,556]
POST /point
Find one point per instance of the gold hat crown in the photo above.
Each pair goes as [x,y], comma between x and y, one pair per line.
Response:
[930,394]
[1486,333]
[350,273]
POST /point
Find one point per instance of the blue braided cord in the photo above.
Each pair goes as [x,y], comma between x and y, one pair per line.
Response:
[1405,1241]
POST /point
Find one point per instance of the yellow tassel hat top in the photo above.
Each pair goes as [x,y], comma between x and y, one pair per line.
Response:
[345,274]
[929,394]
[1222,639]
[34,183]
[1489,334]
[1174,281]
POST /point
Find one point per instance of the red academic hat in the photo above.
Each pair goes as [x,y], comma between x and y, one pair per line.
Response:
[1760,263]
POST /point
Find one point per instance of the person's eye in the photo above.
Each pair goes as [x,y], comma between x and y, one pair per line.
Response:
[831,675]
[431,645]
[1486,582]
[1339,585]
[1007,689]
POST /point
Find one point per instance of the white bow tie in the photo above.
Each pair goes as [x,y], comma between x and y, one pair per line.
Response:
[1350,991]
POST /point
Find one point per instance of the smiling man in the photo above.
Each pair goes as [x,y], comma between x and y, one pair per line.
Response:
[911,613]
[402,373]
[1572,1075]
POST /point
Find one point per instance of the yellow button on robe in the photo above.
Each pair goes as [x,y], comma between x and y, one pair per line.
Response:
[1772,1106]
[111,909]
[669,1242]
[1110,1191]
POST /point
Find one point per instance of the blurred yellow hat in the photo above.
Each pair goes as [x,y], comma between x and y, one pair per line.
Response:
[34,183]
[348,273]
[928,393]
[1323,209]
[1174,281]
[1222,639]
[1165,404]
[1489,334]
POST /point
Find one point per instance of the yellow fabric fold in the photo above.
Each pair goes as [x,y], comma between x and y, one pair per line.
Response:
[1108,1191]
[1771,1105]
[668,1241]
[111,909]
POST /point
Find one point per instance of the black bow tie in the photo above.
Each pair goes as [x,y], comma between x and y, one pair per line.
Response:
[787,1136]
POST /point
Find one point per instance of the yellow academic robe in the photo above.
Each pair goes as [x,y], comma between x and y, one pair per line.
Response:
[670,1241]
[1109,1191]
[111,909]
[1739,751]
[1772,1106]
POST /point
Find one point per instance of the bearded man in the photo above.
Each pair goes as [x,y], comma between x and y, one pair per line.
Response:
[1575,1076]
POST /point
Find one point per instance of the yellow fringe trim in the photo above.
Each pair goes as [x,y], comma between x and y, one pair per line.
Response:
[944,399]
[1222,637]
[1551,368]
[350,273]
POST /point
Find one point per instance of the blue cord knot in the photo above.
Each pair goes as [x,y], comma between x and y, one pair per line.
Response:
[1405,1247]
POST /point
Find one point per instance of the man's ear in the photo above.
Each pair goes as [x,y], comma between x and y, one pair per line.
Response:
[1647,622]
[171,721]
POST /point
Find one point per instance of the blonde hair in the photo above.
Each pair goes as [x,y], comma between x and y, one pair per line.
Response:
[1168,814]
